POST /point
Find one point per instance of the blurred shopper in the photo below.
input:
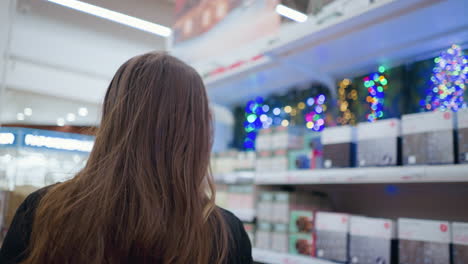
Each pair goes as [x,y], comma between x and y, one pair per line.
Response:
[145,195]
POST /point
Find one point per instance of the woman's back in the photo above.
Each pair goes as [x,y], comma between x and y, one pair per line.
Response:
[145,194]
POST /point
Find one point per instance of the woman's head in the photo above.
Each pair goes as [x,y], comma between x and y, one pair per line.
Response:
[145,194]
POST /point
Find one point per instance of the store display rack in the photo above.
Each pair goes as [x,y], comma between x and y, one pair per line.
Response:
[271,257]
[396,174]
[236,177]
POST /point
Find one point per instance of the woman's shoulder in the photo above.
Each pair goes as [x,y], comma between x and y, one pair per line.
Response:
[241,248]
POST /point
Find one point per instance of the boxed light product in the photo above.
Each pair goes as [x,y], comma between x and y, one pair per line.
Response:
[338,147]
[371,240]
[264,141]
[301,221]
[286,202]
[263,235]
[299,159]
[264,161]
[423,241]
[245,161]
[428,138]
[240,198]
[265,206]
[462,131]
[279,160]
[280,238]
[378,143]
[286,138]
[312,141]
[301,244]
[460,243]
[331,231]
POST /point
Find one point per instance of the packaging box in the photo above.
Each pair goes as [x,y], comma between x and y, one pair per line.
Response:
[331,231]
[279,160]
[339,147]
[460,243]
[264,140]
[280,238]
[264,161]
[299,159]
[245,161]
[263,235]
[423,241]
[312,141]
[287,138]
[462,132]
[301,244]
[428,138]
[240,198]
[372,240]
[265,206]
[221,195]
[285,202]
[379,143]
[301,221]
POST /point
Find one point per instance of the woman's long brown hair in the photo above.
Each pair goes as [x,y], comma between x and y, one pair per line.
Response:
[145,194]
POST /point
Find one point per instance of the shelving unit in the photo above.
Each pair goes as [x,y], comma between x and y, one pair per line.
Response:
[397,174]
[271,257]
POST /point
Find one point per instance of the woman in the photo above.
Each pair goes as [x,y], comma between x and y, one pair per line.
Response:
[145,195]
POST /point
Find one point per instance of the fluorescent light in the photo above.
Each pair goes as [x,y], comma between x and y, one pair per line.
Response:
[20,116]
[116,17]
[71,117]
[290,13]
[58,143]
[7,138]
[28,111]
[60,121]
[82,111]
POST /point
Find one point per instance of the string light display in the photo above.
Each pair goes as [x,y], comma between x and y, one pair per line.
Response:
[346,97]
[315,116]
[259,115]
[448,81]
[376,85]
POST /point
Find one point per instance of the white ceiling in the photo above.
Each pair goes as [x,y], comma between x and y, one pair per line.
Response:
[60,59]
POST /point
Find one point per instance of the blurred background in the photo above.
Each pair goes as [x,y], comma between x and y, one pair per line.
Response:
[341,128]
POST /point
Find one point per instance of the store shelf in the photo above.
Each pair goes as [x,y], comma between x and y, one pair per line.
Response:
[270,257]
[397,174]
[237,177]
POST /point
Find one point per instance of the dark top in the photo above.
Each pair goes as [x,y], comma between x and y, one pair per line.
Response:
[17,238]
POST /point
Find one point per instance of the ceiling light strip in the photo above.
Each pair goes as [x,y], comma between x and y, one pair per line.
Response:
[116,17]
[291,13]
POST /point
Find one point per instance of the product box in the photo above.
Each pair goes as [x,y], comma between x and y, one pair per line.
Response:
[331,231]
[301,221]
[265,206]
[264,140]
[312,141]
[460,243]
[299,159]
[339,147]
[301,244]
[264,161]
[287,138]
[245,161]
[462,132]
[286,202]
[240,198]
[423,241]
[263,235]
[428,138]
[280,238]
[225,162]
[279,160]
[378,143]
[372,241]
